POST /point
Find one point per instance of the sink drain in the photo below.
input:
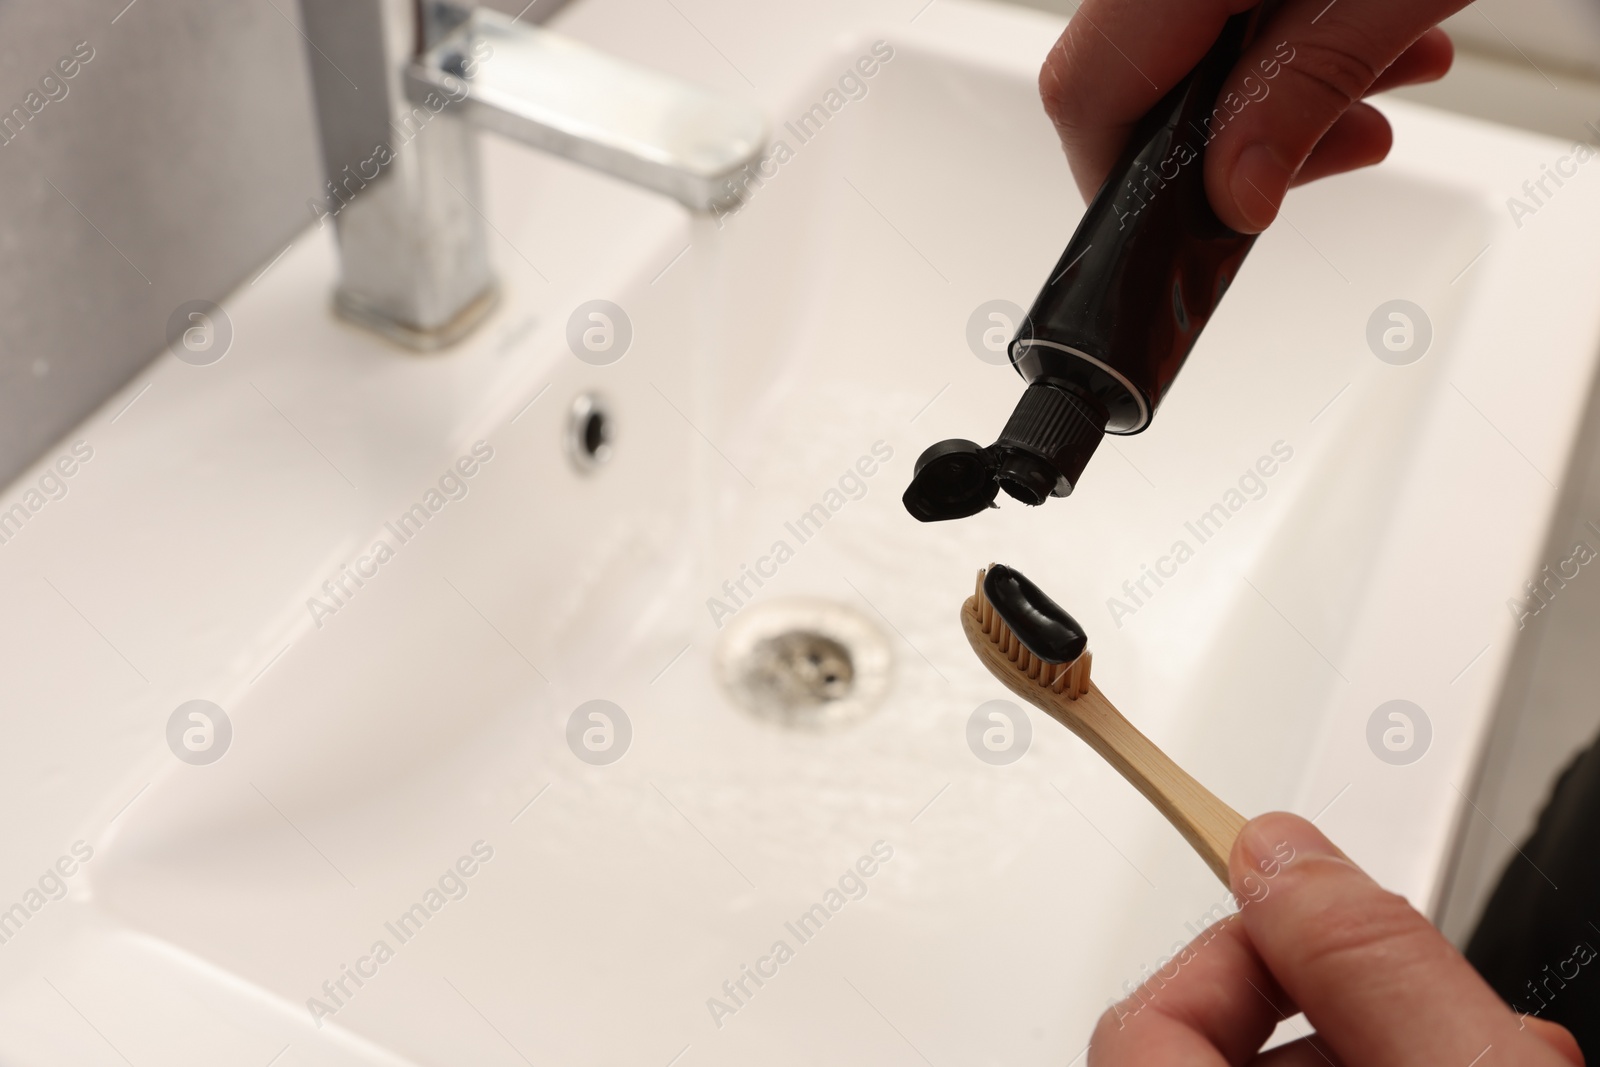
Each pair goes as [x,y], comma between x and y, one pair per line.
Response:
[804,664]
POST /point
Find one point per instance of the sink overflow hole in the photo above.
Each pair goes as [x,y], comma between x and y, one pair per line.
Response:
[589,432]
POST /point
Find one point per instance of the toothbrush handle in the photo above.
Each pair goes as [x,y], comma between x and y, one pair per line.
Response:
[1209,825]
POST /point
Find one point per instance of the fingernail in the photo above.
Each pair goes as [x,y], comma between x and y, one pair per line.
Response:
[1278,839]
[1259,183]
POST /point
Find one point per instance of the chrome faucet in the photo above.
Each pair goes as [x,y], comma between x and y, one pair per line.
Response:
[401,87]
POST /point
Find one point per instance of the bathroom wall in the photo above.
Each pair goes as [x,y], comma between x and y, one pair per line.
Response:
[177,158]
[1554,36]
[171,166]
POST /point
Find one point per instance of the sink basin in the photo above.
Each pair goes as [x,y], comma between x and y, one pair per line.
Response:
[415,760]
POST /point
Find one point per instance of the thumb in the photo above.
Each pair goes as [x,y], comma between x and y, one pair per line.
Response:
[1292,111]
[1380,984]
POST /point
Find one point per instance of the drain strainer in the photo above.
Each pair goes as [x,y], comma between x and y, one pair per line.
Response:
[806,664]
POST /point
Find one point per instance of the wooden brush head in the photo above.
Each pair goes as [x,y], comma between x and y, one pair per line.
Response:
[983,623]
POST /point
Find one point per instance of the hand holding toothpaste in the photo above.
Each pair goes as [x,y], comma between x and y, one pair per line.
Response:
[1291,112]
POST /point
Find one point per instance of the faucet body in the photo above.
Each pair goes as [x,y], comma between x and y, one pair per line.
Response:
[402,87]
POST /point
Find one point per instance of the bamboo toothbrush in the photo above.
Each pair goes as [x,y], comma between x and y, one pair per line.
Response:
[1041,654]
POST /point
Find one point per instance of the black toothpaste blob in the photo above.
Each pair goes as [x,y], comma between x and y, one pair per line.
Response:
[1042,625]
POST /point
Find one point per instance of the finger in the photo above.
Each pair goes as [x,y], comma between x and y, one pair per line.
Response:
[1309,63]
[1360,138]
[1382,987]
[1427,60]
[1211,1004]
[1306,1052]
[1113,62]
[1558,1038]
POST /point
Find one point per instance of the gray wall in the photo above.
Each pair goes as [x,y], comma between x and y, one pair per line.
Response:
[180,155]
[177,164]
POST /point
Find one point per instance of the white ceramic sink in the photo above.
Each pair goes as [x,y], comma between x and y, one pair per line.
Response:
[375,747]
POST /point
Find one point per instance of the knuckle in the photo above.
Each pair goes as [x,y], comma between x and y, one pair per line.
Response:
[1058,83]
[1342,73]
[1381,930]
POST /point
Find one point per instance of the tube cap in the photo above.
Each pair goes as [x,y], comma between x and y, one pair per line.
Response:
[1041,453]
[953,479]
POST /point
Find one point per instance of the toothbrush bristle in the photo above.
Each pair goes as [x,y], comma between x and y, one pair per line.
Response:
[1071,680]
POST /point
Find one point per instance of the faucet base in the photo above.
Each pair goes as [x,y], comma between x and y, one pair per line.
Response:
[360,313]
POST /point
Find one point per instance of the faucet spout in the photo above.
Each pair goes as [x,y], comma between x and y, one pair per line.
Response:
[561,96]
[401,88]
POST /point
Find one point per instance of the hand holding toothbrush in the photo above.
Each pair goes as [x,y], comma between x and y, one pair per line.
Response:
[1381,986]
